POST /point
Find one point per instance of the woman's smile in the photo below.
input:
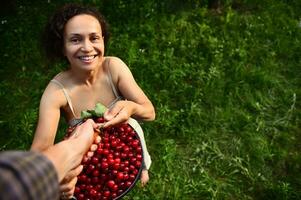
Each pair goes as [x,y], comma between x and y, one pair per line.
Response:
[87,58]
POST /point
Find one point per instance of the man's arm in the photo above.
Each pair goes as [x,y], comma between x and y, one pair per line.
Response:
[28,176]
[36,176]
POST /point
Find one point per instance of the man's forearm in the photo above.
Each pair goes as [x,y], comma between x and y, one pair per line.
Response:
[27,176]
[65,156]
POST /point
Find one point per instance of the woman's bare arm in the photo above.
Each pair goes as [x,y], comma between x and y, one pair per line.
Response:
[49,115]
[136,104]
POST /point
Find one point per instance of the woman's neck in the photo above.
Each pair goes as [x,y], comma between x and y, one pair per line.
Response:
[86,77]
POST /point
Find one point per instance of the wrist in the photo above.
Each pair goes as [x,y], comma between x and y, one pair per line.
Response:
[133,108]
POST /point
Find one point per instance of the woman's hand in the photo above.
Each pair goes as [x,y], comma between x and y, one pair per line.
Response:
[119,113]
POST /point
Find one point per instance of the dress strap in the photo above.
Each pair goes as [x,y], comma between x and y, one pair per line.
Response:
[66,95]
[110,79]
[115,101]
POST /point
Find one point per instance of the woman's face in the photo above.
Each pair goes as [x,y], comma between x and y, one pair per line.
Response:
[83,42]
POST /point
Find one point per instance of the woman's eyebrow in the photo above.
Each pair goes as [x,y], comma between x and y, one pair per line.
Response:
[78,34]
[75,34]
[95,33]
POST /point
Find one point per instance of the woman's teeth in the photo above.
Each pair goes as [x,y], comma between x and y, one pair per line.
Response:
[86,58]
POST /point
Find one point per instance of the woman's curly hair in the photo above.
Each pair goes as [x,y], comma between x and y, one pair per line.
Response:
[53,34]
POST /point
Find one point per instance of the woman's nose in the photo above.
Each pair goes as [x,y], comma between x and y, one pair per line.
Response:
[87,46]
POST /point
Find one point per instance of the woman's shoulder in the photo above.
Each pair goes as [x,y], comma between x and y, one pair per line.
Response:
[61,80]
[54,92]
[115,65]
[56,84]
[61,77]
[113,61]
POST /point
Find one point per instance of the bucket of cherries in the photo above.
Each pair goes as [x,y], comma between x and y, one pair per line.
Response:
[115,166]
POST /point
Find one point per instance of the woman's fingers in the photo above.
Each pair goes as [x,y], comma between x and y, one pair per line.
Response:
[119,114]
[113,112]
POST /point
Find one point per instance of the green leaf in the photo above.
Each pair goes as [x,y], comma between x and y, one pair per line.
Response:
[85,114]
[97,112]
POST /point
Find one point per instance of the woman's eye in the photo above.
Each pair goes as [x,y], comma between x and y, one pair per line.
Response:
[95,39]
[75,40]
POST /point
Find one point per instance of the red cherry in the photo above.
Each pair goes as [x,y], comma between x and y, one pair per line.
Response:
[130,155]
[118,148]
[103,177]
[110,183]
[95,160]
[82,178]
[133,160]
[129,139]
[139,149]
[95,180]
[138,164]
[104,165]
[98,187]
[114,172]
[105,140]
[106,193]
[116,165]
[124,155]
[120,129]
[77,190]
[115,187]
[82,187]
[105,152]
[135,171]
[107,145]
[126,169]
[121,185]
[93,193]
[125,176]
[123,137]
[132,167]
[135,143]
[139,157]
[128,129]
[112,138]
[99,151]
[120,176]
[126,149]
[114,143]
[114,194]
[89,187]
[100,120]
[128,183]
[126,163]
[81,197]
[132,177]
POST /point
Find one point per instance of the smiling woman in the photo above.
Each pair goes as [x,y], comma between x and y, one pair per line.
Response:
[83,42]
[55,29]
[79,35]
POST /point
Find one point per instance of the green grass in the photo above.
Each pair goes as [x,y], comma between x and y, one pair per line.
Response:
[226,88]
